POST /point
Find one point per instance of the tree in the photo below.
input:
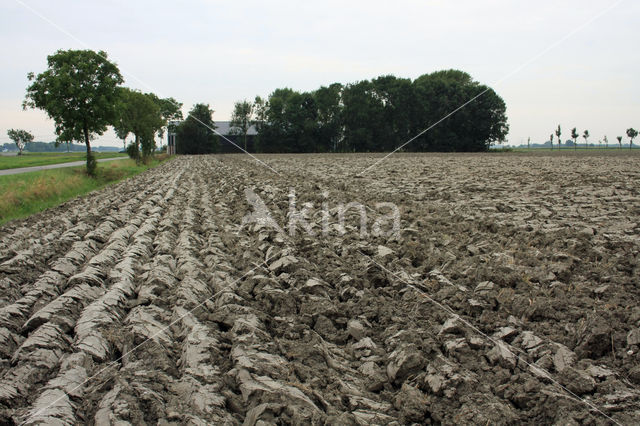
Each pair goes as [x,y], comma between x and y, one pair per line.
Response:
[574,136]
[328,103]
[241,119]
[138,113]
[606,142]
[20,138]
[260,109]
[529,142]
[631,133]
[558,134]
[79,92]
[170,110]
[551,140]
[68,136]
[585,135]
[475,127]
[619,141]
[195,135]
[290,122]
[363,116]
[382,115]
[121,133]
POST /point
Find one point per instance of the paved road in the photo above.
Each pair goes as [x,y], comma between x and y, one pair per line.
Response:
[52,166]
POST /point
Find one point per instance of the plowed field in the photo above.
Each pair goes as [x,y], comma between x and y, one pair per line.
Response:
[509,293]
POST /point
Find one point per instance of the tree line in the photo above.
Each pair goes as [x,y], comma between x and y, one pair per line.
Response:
[378,115]
[82,92]
[631,134]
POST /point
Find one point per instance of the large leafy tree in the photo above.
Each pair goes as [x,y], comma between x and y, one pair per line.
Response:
[329,117]
[474,127]
[241,119]
[277,130]
[138,113]
[79,92]
[363,117]
[631,133]
[398,105]
[170,110]
[195,135]
[260,109]
[20,138]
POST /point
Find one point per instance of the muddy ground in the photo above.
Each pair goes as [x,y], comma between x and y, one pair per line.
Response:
[509,293]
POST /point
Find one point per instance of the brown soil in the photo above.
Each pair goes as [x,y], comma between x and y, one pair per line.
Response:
[509,295]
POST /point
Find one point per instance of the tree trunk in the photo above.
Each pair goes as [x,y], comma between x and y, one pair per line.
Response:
[91,162]
[86,140]
[137,149]
[245,141]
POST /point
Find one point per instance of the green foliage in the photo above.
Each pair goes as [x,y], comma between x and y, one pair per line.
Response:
[133,152]
[558,134]
[170,110]
[241,119]
[139,114]
[383,114]
[585,135]
[619,140]
[78,91]
[574,136]
[195,135]
[147,146]
[20,138]
[474,127]
[68,136]
[329,118]
[631,133]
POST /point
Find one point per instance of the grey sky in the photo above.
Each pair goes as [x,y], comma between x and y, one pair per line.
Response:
[219,52]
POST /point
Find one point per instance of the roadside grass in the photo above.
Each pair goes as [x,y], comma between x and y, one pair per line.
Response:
[31,159]
[28,193]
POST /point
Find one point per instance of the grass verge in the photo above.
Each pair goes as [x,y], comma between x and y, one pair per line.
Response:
[46,158]
[28,193]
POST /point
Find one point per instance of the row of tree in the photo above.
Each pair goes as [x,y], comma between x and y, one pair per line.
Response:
[81,91]
[631,133]
[441,111]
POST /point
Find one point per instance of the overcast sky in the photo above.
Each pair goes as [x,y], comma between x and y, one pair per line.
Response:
[580,57]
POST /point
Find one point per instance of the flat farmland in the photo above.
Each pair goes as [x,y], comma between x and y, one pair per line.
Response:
[431,288]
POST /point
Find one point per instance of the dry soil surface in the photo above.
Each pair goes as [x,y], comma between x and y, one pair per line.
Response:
[509,294]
